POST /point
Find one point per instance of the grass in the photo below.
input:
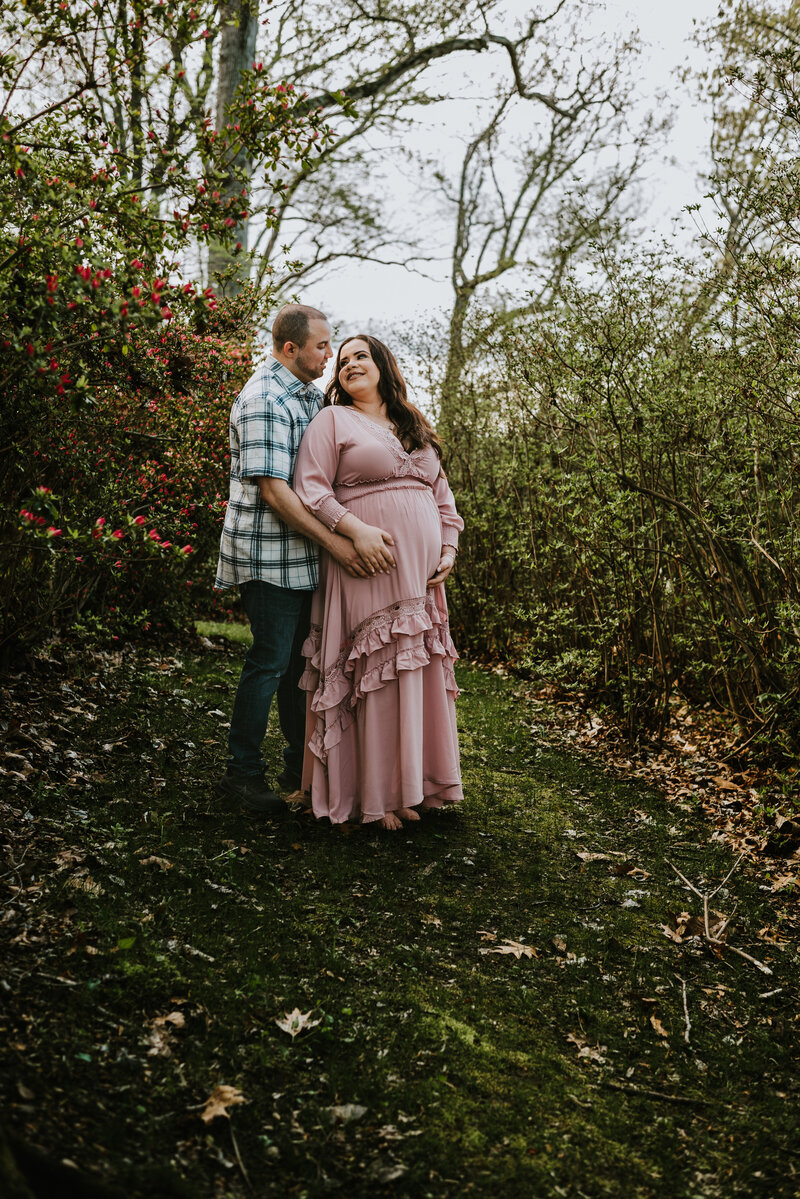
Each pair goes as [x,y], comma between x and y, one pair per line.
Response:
[437,1066]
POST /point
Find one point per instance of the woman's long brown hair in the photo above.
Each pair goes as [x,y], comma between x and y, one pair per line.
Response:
[412,427]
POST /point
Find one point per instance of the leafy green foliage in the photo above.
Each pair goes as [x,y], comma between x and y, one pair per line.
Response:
[628,466]
[115,369]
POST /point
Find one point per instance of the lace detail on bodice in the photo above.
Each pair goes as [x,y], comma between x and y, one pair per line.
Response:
[406,459]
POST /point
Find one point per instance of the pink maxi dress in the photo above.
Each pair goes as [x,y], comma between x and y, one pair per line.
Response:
[381,731]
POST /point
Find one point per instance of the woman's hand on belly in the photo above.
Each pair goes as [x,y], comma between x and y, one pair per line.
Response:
[446,563]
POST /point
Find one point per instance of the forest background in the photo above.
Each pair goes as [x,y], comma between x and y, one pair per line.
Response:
[620,419]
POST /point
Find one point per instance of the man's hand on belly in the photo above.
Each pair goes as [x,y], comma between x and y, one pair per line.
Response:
[346,554]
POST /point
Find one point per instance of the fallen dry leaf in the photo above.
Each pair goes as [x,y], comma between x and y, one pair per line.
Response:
[68,857]
[158,1039]
[343,1113]
[773,936]
[176,1019]
[512,947]
[85,883]
[685,926]
[295,1022]
[628,870]
[218,1102]
[658,1026]
[725,784]
[785,880]
[593,857]
[590,1053]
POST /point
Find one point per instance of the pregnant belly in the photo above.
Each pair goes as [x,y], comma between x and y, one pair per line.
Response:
[411,517]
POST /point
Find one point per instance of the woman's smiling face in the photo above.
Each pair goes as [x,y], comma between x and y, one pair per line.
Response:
[358,374]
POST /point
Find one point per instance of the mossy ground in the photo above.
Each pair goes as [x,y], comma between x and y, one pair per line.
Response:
[566,1073]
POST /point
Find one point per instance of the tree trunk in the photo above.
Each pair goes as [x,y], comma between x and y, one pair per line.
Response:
[237,47]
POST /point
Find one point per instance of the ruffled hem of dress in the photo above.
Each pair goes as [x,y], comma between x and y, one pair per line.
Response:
[405,636]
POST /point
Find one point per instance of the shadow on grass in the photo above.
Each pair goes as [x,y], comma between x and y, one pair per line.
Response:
[488,1013]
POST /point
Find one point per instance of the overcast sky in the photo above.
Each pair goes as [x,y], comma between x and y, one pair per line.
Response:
[376,297]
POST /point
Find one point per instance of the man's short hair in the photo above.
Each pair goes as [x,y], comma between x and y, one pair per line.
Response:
[291,324]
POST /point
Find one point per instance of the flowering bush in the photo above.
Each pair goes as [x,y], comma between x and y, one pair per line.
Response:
[118,373]
[125,518]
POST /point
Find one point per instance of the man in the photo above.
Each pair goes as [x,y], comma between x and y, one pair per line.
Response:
[266,549]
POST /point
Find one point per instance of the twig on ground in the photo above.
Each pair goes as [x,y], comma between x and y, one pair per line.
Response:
[55,978]
[726,922]
[715,941]
[693,1101]
[727,876]
[245,1175]
[16,865]
[688,1028]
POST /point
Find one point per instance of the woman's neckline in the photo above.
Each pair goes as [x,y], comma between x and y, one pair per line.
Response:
[379,424]
[387,429]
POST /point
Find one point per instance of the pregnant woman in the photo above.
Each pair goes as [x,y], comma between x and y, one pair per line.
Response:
[381,736]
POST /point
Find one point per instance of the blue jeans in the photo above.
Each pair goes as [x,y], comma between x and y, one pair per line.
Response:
[279,620]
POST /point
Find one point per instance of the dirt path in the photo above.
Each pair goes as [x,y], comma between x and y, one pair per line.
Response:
[507,1001]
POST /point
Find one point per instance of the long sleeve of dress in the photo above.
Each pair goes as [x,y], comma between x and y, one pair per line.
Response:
[452,524]
[317,463]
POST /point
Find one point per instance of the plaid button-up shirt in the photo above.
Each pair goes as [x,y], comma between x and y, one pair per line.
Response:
[268,419]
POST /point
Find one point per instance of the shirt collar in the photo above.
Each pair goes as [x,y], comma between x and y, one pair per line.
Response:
[291,383]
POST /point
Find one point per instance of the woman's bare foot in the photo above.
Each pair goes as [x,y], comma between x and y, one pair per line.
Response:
[408,814]
[390,821]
